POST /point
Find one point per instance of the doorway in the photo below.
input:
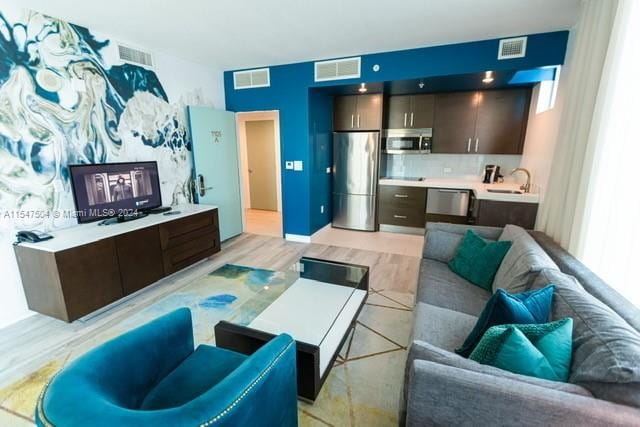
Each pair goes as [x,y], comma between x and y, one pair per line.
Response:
[259,146]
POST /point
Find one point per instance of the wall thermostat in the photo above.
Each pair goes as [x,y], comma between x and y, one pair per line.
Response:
[376,68]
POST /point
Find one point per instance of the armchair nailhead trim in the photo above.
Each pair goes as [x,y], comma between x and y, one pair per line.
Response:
[40,405]
[248,389]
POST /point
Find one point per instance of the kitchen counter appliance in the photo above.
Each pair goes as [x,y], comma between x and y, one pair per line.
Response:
[356,157]
[448,205]
[407,141]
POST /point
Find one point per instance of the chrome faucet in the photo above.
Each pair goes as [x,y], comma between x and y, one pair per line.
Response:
[524,187]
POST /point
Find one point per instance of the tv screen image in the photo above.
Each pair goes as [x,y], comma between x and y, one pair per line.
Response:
[109,189]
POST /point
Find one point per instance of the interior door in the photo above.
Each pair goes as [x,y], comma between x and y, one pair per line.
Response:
[261,156]
[455,122]
[215,159]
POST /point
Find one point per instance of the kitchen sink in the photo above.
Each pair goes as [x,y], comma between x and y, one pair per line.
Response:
[498,190]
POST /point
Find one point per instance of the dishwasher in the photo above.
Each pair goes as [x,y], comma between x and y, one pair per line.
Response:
[448,205]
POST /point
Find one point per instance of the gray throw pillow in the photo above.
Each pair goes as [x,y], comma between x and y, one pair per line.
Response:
[441,245]
[521,264]
[606,349]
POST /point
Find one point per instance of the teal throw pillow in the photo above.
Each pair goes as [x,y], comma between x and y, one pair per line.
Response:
[537,350]
[504,308]
[478,260]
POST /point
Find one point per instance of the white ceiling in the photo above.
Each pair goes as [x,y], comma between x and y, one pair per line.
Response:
[231,34]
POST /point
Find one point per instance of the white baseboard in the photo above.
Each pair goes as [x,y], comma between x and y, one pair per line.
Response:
[297,238]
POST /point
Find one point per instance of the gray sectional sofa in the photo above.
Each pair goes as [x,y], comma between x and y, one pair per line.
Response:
[442,388]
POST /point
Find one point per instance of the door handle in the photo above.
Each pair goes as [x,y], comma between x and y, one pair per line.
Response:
[411,124]
[401,196]
[469,146]
[449,191]
[405,119]
[358,121]
[477,139]
[250,170]
[201,189]
[400,216]
[352,121]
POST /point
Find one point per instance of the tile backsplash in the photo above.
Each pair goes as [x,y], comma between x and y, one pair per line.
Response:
[466,166]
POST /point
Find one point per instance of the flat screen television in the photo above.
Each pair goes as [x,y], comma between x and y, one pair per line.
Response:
[107,190]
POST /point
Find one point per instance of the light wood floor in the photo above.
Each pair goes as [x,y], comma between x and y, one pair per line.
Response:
[379,241]
[28,344]
[265,223]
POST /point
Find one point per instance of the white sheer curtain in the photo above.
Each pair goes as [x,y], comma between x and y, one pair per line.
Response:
[610,245]
[562,210]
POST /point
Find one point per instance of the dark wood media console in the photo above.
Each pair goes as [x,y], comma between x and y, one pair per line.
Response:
[88,267]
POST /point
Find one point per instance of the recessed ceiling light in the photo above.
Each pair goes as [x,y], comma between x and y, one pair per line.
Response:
[488,77]
[362,88]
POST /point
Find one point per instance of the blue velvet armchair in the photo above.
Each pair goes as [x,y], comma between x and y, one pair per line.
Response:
[151,376]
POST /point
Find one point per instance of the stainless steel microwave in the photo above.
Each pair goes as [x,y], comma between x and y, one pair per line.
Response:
[407,141]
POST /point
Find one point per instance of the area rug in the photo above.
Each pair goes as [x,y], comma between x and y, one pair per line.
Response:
[363,387]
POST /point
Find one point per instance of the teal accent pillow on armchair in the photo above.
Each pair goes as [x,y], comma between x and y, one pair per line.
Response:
[542,351]
[478,260]
[505,308]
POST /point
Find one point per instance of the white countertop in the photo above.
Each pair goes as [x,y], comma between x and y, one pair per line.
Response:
[479,189]
[82,234]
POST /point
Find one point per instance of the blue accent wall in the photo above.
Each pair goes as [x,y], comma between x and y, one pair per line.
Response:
[307,138]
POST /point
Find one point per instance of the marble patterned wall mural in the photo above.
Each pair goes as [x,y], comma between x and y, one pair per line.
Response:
[65,99]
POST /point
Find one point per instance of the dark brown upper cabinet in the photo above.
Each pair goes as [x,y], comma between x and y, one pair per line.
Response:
[409,111]
[455,122]
[483,122]
[357,112]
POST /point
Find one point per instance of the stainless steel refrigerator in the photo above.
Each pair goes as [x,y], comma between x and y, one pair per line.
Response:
[356,157]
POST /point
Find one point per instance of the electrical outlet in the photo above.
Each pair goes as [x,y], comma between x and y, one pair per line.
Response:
[297,165]
[321,209]
[329,169]
[288,164]
[447,170]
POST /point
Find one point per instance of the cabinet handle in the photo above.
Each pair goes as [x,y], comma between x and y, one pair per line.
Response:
[352,121]
[405,119]
[400,216]
[401,196]
[358,121]
[469,146]
[477,139]
[411,120]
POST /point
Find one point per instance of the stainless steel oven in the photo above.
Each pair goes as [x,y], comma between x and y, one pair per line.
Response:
[407,141]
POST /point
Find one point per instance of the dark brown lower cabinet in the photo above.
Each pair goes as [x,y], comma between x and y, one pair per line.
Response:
[402,206]
[140,259]
[498,214]
[71,283]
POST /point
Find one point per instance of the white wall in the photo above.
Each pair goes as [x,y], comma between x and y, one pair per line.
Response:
[186,83]
[540,142]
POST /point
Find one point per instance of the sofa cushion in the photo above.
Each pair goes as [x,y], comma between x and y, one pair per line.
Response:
[198,373]
[441,245]
[440,326]
[606,349]
[477,260]
[425,351]
[504,308]
[522,262]
[536,350]
[440,286]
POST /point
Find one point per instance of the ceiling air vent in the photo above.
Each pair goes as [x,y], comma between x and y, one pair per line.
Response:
[135,56]
[337,69]
[251,78]
[512,48]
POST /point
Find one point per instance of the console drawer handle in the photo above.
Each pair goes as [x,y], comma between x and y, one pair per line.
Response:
[400,216]
[401,196]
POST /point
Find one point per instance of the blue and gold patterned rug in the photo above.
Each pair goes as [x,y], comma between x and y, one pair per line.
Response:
[363,387]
